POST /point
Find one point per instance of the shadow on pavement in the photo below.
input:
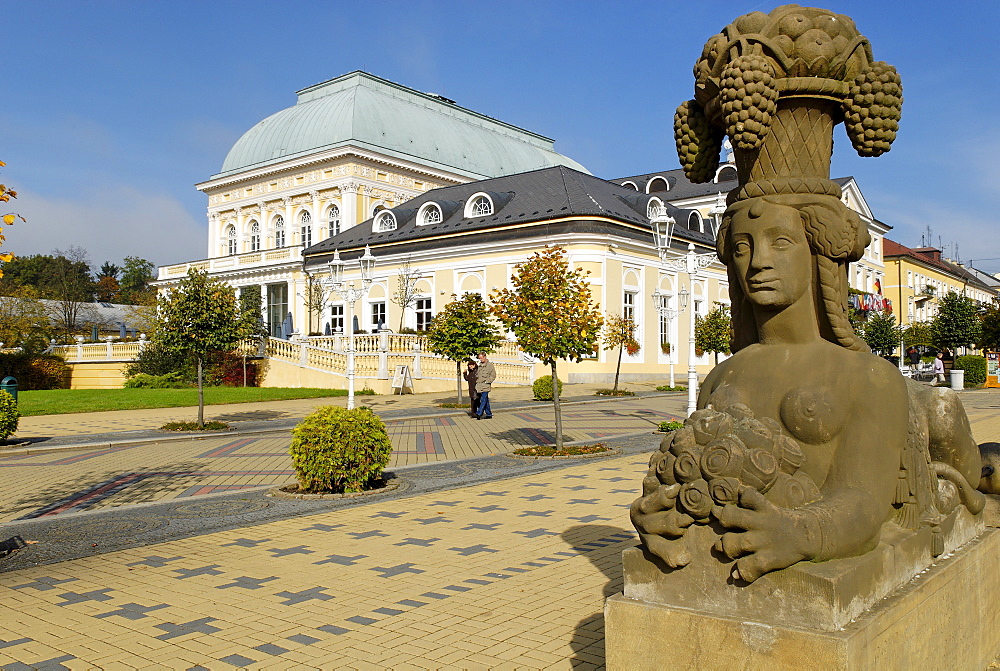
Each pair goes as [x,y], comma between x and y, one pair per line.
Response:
[12,544]
[251,415]
[588,637]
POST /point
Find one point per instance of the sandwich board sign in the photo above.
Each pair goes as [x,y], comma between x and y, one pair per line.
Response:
[402,379]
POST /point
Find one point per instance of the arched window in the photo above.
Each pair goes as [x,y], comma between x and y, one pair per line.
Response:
[481,206]
[657,184]
[279,232]
[378,208]
[231,240]
[694,222]
[254,236]
[430,213]
[385,221]
[630,185]
[726,173]
[654,207]
[306,229]
[334,219]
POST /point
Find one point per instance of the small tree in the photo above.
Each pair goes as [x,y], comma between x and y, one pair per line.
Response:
[405,296]
[250,324]
[881,333]
[551,312]
[463,328]
[23,320]
[315,300]
[714,332]
[956,323]
[197,318]
[619,331]
[989,337]
[918,333]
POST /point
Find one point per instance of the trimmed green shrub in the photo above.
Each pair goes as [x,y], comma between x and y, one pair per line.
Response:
[542,388]
[974,367]
[9,415]
[168,381]
[157,360]
[339,450]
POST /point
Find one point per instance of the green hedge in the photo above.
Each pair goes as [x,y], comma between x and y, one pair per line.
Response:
[974,367]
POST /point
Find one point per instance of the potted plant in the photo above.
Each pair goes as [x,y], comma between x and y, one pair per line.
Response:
[665,347]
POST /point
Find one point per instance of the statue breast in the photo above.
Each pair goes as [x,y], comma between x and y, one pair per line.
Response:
[809,415]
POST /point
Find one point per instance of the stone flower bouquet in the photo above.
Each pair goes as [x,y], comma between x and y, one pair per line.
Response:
[704,464]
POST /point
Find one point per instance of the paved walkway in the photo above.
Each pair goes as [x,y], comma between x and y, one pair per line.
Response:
[45,482]
[501,572]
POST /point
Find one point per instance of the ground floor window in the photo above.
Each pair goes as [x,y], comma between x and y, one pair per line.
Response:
[278,318]
[336,318]
[423,314]
[378,315]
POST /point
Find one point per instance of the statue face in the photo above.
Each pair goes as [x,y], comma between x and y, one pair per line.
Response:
[772,256]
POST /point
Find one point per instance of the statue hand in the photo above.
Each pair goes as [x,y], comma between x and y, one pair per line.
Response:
[659,523]
[772,537]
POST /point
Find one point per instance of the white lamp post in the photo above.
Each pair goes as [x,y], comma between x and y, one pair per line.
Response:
[349,294]
[663,228]
[660,300]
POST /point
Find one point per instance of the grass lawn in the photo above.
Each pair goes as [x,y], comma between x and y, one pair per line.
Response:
[63,401]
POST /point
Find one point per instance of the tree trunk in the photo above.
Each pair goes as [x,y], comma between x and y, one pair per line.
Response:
[201,398]
[458,367]
[555,405]
[618,369]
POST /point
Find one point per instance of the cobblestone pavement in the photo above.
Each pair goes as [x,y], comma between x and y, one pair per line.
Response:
[510,573]
[48,483]
[480,562]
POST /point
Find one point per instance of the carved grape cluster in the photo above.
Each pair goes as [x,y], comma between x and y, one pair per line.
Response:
[749,100]
[717,453]
[698,142]
[873,108]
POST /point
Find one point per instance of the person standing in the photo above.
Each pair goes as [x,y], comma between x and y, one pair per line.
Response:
[914,357]
[484,381]
[939,368]
[471,375]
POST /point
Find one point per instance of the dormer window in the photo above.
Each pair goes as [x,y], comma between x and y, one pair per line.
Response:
[654,207]
[385,221]
[480,206]
[694,222]
[630,185]
[657,184]
[430,213]
[725,174]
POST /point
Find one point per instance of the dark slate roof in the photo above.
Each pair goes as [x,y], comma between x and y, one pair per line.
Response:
[681,187]
[563,199]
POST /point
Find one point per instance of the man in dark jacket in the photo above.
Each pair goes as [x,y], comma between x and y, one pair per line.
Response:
[484,381]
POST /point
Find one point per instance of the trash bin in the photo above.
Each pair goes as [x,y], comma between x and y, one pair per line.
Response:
[957,379]
[9,385]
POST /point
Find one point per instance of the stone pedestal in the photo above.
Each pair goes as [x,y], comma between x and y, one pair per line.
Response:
[947,617]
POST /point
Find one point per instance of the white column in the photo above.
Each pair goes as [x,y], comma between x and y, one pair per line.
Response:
[349,205]
[241,234]
[315,214]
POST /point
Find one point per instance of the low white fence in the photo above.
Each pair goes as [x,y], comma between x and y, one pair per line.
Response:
[375,356]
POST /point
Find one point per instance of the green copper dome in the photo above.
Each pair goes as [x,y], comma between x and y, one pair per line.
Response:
[365,111]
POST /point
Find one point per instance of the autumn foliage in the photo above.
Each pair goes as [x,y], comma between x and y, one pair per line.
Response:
[551,312]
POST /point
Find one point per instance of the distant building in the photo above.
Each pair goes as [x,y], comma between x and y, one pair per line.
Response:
[919,277]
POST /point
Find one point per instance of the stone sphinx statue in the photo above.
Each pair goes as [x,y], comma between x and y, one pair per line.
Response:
[805,446]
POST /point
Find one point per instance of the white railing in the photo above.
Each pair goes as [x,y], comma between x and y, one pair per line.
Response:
[270,256]
[375,357]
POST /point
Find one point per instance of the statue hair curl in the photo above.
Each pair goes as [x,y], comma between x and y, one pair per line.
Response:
[836,238]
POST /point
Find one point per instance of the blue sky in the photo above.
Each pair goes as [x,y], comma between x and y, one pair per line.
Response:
[114,110]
